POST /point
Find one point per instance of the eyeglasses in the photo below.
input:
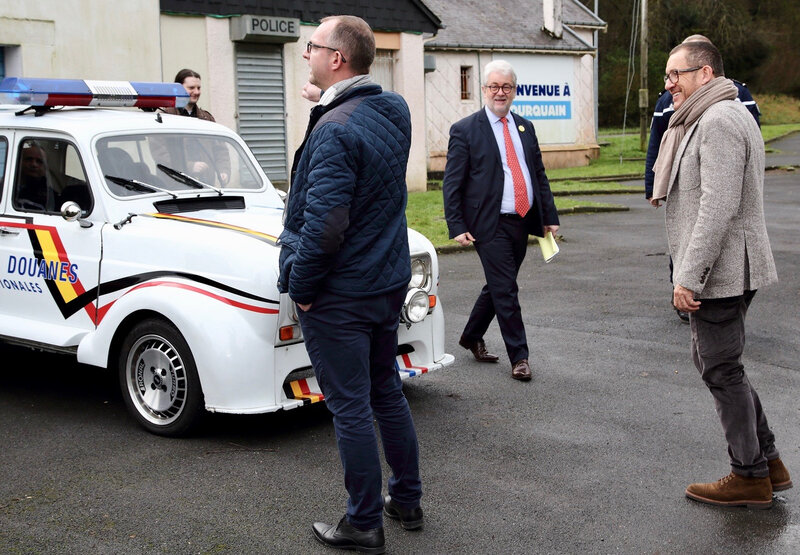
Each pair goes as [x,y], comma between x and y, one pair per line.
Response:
[495,88]
[310,45]
[675,74]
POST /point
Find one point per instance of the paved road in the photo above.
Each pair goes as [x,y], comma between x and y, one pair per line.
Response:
[786,151]
[591,456]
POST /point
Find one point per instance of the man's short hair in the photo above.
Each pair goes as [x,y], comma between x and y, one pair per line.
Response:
[499,66]
[699,53]
[353,37]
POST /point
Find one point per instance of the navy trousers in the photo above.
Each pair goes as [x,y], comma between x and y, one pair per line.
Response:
[352,344]
[717,345]
[501,257]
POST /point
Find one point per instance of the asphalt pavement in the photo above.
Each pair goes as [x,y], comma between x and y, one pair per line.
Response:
[591,456]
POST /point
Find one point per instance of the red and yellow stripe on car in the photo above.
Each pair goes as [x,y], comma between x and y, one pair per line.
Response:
[220,225]
[305,389]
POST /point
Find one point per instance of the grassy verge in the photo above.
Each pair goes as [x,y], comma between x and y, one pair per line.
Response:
[425,213]
[563,188]
[778,108]
[620,155]
[773,131]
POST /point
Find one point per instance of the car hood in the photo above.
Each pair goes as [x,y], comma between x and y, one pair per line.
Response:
[262,223]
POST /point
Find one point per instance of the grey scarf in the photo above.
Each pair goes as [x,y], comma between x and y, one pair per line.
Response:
[345,85]
[714,91]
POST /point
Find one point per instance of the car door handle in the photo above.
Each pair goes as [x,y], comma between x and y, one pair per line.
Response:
[8,231]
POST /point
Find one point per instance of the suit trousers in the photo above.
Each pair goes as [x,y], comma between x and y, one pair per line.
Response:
[501,257]
[352,343]
[717,344]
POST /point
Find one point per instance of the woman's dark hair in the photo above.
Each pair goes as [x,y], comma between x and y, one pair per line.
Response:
[184,73]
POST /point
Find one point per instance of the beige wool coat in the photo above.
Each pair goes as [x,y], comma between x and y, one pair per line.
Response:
[714,206]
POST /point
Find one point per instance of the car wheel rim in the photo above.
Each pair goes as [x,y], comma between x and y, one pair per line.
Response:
[156,379]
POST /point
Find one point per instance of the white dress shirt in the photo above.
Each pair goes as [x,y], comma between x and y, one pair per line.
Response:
[507,205]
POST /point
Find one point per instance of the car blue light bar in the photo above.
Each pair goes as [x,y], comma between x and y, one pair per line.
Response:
[75,92]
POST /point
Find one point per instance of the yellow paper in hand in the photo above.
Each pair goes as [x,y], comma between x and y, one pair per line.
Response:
[548,245]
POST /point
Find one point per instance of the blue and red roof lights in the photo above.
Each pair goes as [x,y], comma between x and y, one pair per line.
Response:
[76,92]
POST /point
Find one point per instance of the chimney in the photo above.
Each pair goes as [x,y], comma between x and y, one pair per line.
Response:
[552,18]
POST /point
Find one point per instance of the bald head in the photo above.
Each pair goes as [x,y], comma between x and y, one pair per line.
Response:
[697,38]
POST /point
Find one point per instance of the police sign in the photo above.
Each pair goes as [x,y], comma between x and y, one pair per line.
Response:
[264,28]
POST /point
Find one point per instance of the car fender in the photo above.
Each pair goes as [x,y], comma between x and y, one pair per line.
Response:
[236,370]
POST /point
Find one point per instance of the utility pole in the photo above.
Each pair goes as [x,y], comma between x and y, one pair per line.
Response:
[643,104]
[596,76]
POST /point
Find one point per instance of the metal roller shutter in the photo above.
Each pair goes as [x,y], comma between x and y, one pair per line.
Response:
[262,117]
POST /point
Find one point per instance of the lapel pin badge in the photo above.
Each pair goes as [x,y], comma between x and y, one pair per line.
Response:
[521,129]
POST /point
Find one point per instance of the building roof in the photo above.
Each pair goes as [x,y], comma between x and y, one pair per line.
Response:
[509,25]
[401,15]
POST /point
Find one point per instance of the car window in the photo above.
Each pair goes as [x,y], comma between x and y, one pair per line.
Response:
[50,173]
[148,158]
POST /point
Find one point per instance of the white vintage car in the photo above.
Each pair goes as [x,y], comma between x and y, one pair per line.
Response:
[146,243]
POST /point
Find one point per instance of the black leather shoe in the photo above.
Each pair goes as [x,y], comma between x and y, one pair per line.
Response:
[345,536]
[410,519]
[478,349]
[521,370]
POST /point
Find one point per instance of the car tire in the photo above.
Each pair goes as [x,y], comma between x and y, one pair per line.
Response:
[158,378]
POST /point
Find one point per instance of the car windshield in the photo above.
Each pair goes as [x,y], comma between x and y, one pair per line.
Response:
[175,162]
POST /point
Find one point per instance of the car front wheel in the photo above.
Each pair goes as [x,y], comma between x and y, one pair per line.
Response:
[158,378]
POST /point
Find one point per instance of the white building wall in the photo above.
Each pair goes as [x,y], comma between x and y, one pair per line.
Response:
[586,100]
[408,74]
[408,79]
[444,106]
[295,74]
[443,103]
[44,43]
[220,88]
[78,39]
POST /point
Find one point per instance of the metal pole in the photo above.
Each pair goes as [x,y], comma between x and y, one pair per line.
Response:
[643,103]
[596,76]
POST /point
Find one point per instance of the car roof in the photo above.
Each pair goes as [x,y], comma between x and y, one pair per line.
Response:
[94,121]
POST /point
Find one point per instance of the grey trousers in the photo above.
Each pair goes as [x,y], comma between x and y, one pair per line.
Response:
[717,345]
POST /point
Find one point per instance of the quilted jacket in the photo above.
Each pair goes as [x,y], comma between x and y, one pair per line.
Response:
[345,224]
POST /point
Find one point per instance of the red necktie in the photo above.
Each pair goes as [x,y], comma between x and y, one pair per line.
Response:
[521,202]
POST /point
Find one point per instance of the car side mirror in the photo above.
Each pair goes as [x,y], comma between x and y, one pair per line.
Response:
[71,212]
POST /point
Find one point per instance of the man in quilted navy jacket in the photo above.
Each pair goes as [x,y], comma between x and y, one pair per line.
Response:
[345,262]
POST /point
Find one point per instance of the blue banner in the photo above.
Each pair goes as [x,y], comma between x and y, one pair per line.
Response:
[543,109]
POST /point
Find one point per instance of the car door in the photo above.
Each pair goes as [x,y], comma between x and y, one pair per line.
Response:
[48,266]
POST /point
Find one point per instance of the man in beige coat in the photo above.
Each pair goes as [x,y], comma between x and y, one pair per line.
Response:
[711,171]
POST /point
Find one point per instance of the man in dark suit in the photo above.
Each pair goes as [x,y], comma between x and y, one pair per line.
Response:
[496,193]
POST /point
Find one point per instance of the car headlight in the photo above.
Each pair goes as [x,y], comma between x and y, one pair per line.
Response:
[415,307]
[421,273]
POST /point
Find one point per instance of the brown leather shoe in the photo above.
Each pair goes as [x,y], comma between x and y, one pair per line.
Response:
[778,475]
[734,491]
[478,349]
[521,371]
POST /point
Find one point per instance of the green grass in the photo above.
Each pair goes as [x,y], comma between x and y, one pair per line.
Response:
[609,163]
[626,147]
[778,109]
[590,187]
[425,213]
[619,155]
[770,132]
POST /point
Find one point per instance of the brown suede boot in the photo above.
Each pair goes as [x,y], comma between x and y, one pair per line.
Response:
[733,491]
[778,475]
